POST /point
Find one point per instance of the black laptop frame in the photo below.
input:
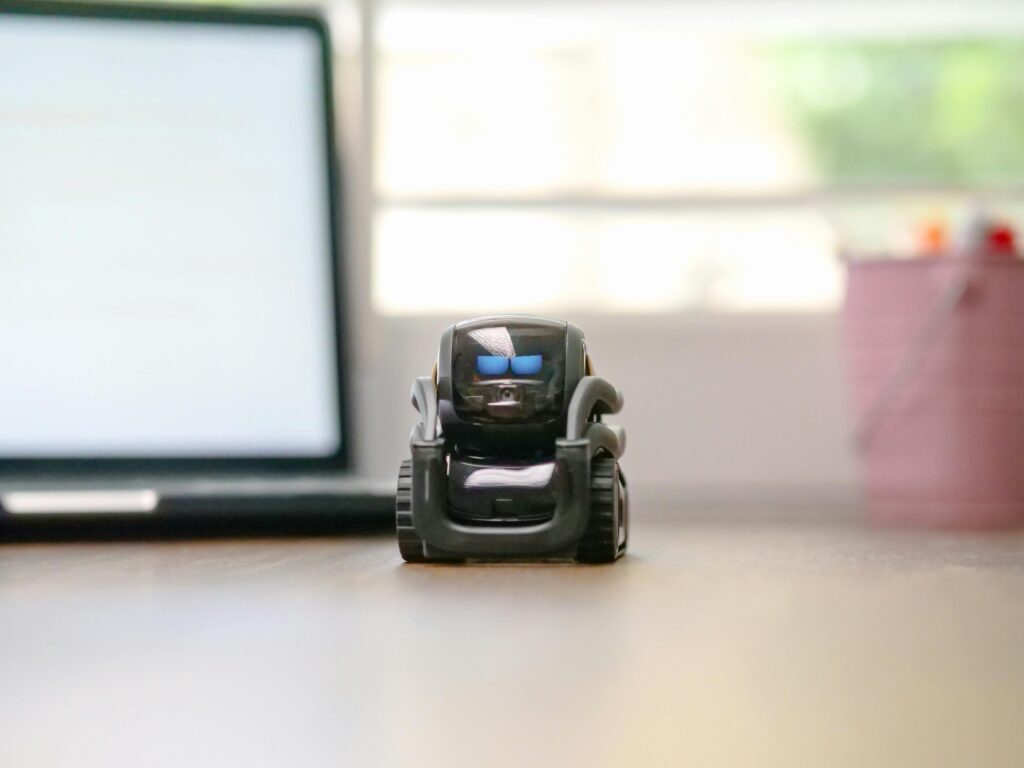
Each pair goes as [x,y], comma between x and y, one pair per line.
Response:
[339,460]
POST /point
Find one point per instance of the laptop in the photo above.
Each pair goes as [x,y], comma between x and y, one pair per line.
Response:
[171,315]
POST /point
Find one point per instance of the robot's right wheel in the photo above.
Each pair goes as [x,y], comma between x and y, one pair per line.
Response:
[410,545]
[604,541]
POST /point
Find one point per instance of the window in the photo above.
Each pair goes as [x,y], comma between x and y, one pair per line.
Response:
[656,157]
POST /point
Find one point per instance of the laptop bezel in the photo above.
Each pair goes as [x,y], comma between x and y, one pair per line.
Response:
[340,459]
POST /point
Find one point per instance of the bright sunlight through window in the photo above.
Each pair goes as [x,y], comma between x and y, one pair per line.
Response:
[655,158]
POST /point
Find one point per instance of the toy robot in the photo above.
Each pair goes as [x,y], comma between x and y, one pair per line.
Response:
[510,459]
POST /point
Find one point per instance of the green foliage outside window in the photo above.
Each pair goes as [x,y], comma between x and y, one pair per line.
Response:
[947,112]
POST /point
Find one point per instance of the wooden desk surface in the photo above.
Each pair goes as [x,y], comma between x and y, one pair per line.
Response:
[709,645]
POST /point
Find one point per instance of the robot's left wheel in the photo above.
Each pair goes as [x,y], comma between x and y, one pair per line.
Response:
[606,536]
[410,545]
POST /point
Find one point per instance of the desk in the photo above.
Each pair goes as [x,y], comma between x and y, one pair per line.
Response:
[710,644]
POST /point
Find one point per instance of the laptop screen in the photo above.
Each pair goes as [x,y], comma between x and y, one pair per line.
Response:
[166,255]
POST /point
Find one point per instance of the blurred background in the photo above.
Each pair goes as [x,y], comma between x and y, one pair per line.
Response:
[680,179]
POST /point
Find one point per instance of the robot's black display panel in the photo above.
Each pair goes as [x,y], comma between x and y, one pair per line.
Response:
[508,373]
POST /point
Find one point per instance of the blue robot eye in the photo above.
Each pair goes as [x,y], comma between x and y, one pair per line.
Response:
[491,365]
[527,365]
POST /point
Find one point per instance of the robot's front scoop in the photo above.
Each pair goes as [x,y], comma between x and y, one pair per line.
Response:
[483,493]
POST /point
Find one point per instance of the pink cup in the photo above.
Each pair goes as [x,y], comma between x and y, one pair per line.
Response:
[935,364]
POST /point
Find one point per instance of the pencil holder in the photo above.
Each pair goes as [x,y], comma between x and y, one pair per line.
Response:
[935,367]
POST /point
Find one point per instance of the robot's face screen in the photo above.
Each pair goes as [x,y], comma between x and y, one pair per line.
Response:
[508,373]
